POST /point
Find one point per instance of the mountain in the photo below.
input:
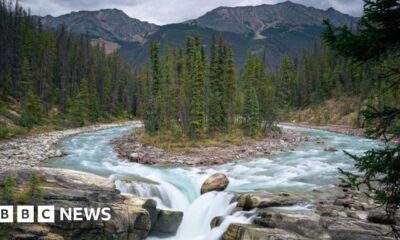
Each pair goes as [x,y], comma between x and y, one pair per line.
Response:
[254,20]
[107,26]
[283,28]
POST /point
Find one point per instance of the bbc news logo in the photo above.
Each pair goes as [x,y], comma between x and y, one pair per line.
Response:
[46,214]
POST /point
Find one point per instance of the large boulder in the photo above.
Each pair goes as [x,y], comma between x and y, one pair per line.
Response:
[303,223]
[249,201]
[341,228]
[250,231]
[167,221]
[216,182]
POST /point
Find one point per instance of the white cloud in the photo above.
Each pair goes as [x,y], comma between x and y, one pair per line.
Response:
[172,11]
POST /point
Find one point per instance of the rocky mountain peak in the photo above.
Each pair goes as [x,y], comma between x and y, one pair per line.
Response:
[256,19]
[107,24]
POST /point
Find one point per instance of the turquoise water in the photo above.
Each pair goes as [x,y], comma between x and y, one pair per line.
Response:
[305,168]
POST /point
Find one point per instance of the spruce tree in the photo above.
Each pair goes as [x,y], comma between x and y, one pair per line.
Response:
[197,101]
[79,110]
[152,123]
[217,113]
[251,111]
[232,93]
[284,94]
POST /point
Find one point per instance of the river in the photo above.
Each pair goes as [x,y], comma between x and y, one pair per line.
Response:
[304,169]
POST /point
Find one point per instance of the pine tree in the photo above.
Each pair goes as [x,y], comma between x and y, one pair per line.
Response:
[284,87]
[152,109]
[79,110]
[217,115]
[94,108]
[251,111]
[232,98]
[197,101]
[32,111]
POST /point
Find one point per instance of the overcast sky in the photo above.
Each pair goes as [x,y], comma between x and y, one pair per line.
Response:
[172,11]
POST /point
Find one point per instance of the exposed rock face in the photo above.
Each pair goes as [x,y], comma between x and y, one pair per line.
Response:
[256,19]
[248,232]
[216,182]
[108,24]
[347,228]
[251,201]
[305,224]
[131,217]
[275,27]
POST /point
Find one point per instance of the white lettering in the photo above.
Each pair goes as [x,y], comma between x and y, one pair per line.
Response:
[106,214]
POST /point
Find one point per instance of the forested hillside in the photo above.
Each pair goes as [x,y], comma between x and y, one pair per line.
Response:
[332,87]
[56,78]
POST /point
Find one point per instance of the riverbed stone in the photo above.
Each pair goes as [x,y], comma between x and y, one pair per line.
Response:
[251,231]
[167,221]
[345,202]
[330,149]
[216,221]
[216,182]
[340,228]
[379,216]
[304,223]
[250,201]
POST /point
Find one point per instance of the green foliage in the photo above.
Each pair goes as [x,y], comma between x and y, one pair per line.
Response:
[284,93]
[3,132]
[377,35]
[200,95]
[34,194]
[7,194]
[217,108]
[251,111]
[32,112]
[377,40]
[79,110]
[41,72]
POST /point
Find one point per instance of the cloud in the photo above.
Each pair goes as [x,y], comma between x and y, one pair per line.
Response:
[172,11]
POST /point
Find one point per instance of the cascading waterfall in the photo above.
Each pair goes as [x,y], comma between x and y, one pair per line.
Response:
[306,168]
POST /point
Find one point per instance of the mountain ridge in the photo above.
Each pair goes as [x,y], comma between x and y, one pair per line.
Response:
[283,28]
[108,24]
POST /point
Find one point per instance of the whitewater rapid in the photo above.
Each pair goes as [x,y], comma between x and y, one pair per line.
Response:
[306,168]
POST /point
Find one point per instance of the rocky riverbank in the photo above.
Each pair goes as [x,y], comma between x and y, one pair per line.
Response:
[132,217]
[342,129]
[130,148]
[32,150]
[349,215]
